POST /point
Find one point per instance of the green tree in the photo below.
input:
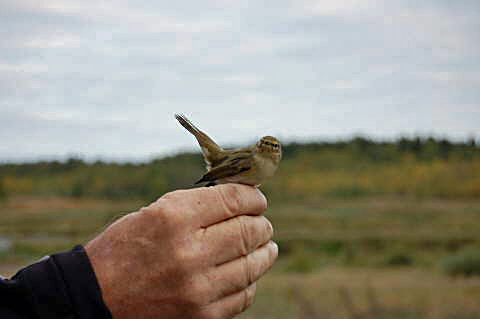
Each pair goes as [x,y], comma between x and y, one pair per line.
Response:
[3,192]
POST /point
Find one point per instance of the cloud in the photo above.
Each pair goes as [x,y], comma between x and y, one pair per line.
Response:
[335,8]
[23,67]
[104,78]
[55,42]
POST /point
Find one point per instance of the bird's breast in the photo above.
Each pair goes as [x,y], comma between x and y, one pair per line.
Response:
[265,166]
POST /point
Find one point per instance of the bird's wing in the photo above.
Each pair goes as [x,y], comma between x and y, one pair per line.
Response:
[212,152]
[230,167]
[228,155]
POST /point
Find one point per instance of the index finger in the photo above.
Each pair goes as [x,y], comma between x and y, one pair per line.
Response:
[222,202]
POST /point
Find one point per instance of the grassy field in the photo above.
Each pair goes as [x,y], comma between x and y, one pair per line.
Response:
[339,258]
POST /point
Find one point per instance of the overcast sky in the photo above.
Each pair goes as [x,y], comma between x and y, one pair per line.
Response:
[104,78]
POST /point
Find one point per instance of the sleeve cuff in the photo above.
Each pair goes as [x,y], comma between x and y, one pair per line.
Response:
[65,286]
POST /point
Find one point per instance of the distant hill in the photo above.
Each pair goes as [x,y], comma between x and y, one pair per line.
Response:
[420,167]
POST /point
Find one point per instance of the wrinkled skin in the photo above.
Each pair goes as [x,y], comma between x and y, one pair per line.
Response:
[192,254]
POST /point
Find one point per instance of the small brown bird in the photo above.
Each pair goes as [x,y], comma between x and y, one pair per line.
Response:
[250,165]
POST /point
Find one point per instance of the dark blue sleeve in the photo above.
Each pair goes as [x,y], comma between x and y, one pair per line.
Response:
[59,286]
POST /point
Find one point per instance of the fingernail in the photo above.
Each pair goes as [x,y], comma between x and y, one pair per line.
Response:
[274,246]
[250,294]
[270,227]
[262,195]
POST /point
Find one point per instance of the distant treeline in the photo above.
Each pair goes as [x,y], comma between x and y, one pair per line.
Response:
[421,167]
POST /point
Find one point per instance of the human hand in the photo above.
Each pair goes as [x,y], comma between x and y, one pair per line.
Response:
[192,254]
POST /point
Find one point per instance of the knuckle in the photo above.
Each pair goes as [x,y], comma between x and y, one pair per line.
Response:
[188,290]
[147,210]
[252,232]
[165,212]
[166,205]
[154,209]
[153,217]
[249,297]
[231,197]
[184,258]
[245,234]
[189,257]
[248,275]
[195,293]
[178,258]
[268,227]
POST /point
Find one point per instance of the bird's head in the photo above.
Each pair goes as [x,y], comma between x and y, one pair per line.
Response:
[269,145]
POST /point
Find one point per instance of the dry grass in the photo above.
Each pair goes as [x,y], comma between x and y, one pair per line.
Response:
[366,293]
[342,243]
[38,227]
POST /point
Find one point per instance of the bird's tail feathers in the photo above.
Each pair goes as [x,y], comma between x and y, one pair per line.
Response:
[206,143]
